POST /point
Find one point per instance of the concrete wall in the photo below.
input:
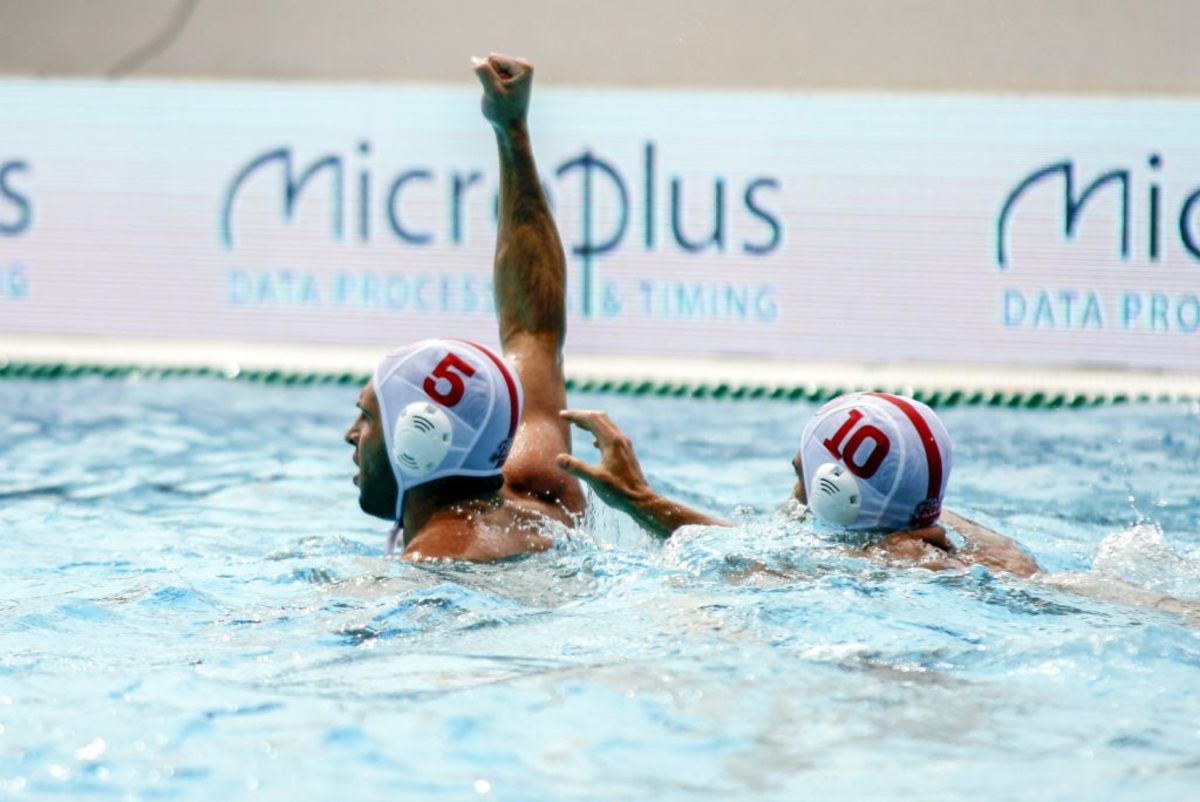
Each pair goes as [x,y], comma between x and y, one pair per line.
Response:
[1092,46]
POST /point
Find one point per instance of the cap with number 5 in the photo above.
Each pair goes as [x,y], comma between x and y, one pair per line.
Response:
[449,408]
[874,460]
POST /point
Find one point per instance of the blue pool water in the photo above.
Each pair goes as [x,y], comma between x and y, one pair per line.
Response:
[192,607]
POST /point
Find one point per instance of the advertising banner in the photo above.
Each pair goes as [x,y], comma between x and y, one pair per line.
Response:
[818,227]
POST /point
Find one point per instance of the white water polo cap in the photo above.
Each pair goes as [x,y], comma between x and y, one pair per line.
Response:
[875,460]
[449,408]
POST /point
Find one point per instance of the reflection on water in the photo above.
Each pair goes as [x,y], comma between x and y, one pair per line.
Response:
[193,605]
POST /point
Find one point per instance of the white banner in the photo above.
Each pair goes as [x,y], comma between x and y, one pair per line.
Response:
[1048,231]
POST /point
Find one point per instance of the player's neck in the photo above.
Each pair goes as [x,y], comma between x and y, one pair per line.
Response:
[461,499]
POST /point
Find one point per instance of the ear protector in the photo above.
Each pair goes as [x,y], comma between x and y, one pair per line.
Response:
[421,438]
[834,495]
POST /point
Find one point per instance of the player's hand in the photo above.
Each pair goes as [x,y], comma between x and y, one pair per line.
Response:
[617,479]
[507,84]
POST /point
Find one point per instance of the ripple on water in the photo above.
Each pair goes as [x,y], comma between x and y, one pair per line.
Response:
[187,578]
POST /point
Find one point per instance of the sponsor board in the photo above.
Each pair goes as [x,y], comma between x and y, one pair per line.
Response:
[1049,231]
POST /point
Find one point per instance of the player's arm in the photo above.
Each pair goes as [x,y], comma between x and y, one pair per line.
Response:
[988,548]
[530,287]
[617,479]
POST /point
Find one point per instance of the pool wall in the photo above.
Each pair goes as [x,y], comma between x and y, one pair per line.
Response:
[755,197]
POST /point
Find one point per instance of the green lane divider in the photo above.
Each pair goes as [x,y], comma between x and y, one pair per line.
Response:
[42,371]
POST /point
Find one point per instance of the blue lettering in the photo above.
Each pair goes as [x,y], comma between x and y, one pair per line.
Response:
[292,187]
[14,284]
[610,304]
[1042,314]
[24,209]
[762,214]
[409,237]
[1153,235]
[648,172]
[263,291]
[471,296]
[307,294]
[364,196]
[1072,204]
[369,290]
[1091,312]
[271,288]
[605,210]
[1192,322]
[458,192]
[766,307]
[1131,309]
[420,303]
[1014,308]
[1068,298]
[718,233]
[689,300]
[1158,312]
[646,289]
[238,291]
[343,285]
[395,291]
[704,301]
[588,248]
[1052,309]
[1185,229]
[735,301]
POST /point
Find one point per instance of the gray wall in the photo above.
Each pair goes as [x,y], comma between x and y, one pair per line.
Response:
[1105,46]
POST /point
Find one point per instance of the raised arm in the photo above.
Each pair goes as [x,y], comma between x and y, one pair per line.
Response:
[530,287]
[619,482]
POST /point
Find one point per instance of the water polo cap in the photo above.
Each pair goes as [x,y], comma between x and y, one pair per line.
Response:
[874,460]
[449,408]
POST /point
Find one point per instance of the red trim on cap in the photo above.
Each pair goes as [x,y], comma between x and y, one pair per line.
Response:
[513,399]
[933,456]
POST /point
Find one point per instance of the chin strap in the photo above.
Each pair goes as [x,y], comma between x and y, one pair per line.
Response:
[393,536]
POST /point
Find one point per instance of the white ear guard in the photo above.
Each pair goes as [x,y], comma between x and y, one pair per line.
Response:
[421,438]
[834,496]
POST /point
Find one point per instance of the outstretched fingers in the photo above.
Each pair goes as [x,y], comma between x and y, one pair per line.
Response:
[576,467]
[589,421]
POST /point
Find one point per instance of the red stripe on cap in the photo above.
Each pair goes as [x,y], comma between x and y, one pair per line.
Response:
[514,406]
[933,457]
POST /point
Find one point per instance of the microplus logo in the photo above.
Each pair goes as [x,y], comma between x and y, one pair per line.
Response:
[1155,300]
[614,202]
[16,210]
[1121,179]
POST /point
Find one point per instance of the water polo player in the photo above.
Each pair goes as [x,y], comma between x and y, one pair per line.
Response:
[454,443]
[870,461]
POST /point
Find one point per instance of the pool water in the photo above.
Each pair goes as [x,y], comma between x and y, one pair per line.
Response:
[192,607]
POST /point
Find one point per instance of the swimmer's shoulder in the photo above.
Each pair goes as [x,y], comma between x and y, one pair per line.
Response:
[990,549]
[546,500]
[505,532]
[532,476]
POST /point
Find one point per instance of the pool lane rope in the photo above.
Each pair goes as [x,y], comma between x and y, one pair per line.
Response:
[665,389]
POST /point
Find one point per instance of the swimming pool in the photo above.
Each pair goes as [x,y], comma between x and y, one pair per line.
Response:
[192,606]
